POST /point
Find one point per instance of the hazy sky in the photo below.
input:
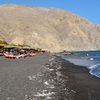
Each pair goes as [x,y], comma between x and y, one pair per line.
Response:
[90,9]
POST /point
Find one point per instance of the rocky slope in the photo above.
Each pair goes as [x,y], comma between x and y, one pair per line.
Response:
[47,28]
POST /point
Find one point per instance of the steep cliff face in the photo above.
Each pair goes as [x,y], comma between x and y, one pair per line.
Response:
[47,28]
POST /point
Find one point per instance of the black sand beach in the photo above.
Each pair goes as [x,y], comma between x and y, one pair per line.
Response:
[15,83]
[86,86]
[46,77]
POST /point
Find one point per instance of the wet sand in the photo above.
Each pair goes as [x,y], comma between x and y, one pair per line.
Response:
[86,86]
[46,77]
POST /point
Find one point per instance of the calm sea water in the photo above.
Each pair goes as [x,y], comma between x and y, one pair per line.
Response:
[88,59]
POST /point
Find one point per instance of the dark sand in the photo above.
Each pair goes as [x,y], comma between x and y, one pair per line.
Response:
[86,86]
[15,83]
[28,79]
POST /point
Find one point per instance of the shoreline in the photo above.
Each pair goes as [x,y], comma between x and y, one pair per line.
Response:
[46,76]
[87,86]
[84,62]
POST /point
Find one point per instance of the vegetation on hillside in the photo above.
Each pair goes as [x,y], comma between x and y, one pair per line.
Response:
[3,42]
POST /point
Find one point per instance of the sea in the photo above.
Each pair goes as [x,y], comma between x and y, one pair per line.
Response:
[88,59]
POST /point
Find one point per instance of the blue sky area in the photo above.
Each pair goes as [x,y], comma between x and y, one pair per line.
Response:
[90,9]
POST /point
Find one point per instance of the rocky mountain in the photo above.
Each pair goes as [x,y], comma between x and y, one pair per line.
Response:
[47,28]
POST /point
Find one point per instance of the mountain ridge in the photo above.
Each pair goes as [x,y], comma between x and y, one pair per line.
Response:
[47,28]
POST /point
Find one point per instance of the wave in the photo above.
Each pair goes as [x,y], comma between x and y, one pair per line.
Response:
[95,70]
[93,65]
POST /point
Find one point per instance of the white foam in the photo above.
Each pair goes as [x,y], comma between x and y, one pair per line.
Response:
[31,77]
[58,73]
[46,83]
[94,66]
[91,58]
[44,94]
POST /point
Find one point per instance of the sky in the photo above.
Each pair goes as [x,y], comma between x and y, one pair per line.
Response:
[89,9]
